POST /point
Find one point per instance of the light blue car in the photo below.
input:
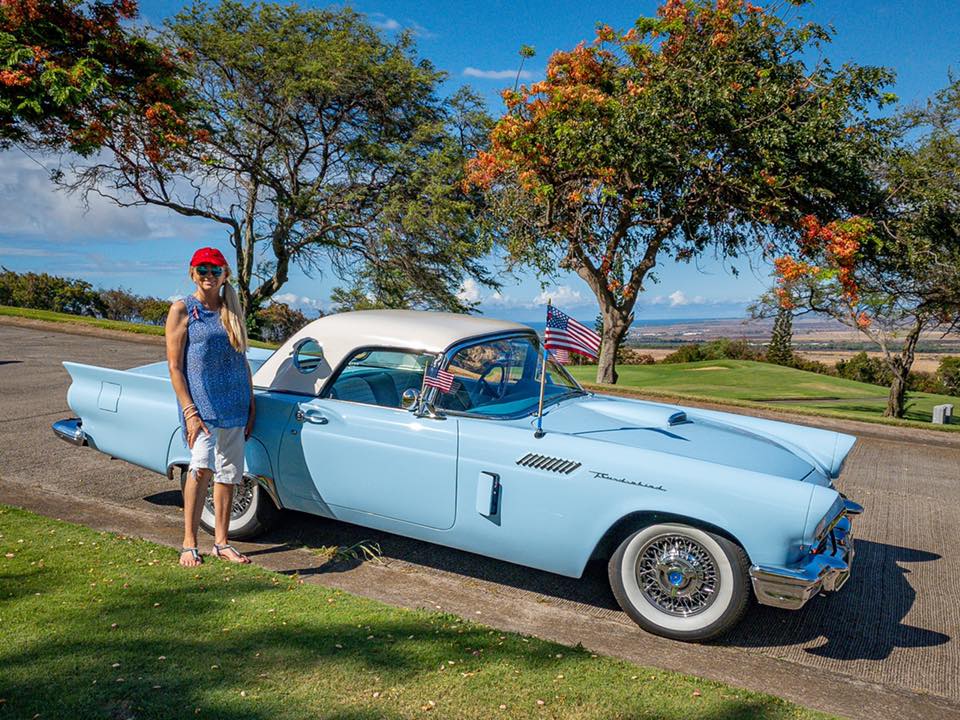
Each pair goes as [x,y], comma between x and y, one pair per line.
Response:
[691,508]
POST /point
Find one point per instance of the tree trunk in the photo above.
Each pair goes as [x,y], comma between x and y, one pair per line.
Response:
[615,326]
[896,400]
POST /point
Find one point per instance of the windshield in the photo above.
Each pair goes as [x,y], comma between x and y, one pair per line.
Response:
[502,378]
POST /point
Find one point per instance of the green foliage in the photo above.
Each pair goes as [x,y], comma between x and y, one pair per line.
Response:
[863,368]
[314,141]
[949,375]
[719,349]
[700,128]
[69,68]
[49,292]
[278,321]
[780,349]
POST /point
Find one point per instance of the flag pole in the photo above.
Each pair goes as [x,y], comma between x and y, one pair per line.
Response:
[543,379]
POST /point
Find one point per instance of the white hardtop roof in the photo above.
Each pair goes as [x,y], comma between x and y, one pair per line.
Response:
[339,335]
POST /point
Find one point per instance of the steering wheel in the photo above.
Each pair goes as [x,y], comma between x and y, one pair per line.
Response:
[484,389]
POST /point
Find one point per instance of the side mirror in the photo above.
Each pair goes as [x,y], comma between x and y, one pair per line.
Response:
[410,400]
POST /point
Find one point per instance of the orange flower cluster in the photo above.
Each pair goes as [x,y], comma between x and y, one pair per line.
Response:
[14,78]
[789,269]
[837,244]
[17,12]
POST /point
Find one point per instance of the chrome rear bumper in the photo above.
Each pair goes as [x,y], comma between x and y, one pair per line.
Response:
[69,429]
[790,588]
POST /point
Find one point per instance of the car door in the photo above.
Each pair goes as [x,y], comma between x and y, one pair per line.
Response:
[365,454]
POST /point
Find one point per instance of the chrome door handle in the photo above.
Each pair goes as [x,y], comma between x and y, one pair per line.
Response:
[311,416]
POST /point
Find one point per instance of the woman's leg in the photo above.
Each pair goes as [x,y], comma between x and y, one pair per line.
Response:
[194,495]
[229,464]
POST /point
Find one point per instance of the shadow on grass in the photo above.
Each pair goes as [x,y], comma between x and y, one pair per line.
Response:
[168,656]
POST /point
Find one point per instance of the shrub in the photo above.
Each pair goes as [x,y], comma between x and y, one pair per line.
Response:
[120,304]
[920,381]
[154,310]
[278,321]
[949,375]
[801,363]
[719,349]
[41,291]
[863,368]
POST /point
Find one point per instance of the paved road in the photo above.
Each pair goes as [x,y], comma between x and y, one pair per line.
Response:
[887,643]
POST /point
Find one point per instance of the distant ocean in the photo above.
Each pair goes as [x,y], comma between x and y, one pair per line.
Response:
[645,322]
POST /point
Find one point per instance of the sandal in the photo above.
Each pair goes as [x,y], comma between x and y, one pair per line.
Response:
[218,552]
[194,553]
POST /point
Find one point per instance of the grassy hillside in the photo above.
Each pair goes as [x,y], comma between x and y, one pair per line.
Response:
[763,384]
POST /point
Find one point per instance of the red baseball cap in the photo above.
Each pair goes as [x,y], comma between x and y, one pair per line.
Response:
[209,256]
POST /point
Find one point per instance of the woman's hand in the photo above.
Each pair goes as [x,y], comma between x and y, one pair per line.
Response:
[194,427]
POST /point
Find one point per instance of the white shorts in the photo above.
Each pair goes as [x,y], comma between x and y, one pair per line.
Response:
[220,451]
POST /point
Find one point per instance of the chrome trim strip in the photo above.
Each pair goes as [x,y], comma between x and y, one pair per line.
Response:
[852,508]
[69,429]
[268,484]
[791,587]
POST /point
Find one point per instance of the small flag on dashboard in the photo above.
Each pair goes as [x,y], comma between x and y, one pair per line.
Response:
[440,379]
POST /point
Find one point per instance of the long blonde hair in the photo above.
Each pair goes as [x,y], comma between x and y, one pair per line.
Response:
[231,314]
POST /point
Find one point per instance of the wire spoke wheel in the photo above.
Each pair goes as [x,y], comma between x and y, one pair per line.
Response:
[677,575]
[242,497]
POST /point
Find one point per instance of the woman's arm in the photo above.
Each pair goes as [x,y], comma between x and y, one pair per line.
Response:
[176,335]
[251,418]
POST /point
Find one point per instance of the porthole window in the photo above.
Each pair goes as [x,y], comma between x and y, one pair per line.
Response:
[307,356]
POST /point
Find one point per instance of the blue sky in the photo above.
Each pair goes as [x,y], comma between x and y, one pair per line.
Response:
[476,43]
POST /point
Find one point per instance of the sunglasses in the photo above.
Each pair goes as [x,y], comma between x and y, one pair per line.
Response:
[204,270]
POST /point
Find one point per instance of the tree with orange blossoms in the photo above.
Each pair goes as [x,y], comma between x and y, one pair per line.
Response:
[896,276]
[68,67]
[699,129]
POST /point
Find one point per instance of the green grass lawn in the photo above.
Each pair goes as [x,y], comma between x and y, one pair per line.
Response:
[97,625]
[744,382]
[140,328]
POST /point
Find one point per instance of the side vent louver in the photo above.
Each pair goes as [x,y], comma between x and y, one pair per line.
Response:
[544,462]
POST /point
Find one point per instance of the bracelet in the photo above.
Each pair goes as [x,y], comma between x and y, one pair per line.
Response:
[191,415]
[187,407]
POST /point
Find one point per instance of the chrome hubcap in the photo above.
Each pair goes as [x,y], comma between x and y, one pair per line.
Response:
[677,575]
[242,497]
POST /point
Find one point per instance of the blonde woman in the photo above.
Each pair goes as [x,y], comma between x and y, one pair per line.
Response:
[206,352]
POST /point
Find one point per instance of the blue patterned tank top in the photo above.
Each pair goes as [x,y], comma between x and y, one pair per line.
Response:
[216,374]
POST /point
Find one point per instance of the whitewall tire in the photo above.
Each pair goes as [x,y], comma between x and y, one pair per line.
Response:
[680,581]
[252,514]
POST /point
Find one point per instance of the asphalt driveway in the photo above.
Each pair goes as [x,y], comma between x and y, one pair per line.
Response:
[888,643]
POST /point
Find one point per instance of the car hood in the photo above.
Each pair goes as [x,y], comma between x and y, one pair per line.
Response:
[764,446]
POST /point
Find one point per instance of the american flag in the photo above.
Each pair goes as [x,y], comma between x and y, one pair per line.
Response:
[561,356]
[565,333]
[440,379]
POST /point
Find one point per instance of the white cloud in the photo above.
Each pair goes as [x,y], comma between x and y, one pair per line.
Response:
[35,208]
[678,298]
[389,24]
[386,23]
[563,296]
[32,252]
[469,291]
[496,74]
[301,302]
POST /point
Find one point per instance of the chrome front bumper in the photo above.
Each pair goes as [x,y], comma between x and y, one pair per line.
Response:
[69,429]
[790,588]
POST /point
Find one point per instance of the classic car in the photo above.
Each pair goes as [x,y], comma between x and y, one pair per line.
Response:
[693,510]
